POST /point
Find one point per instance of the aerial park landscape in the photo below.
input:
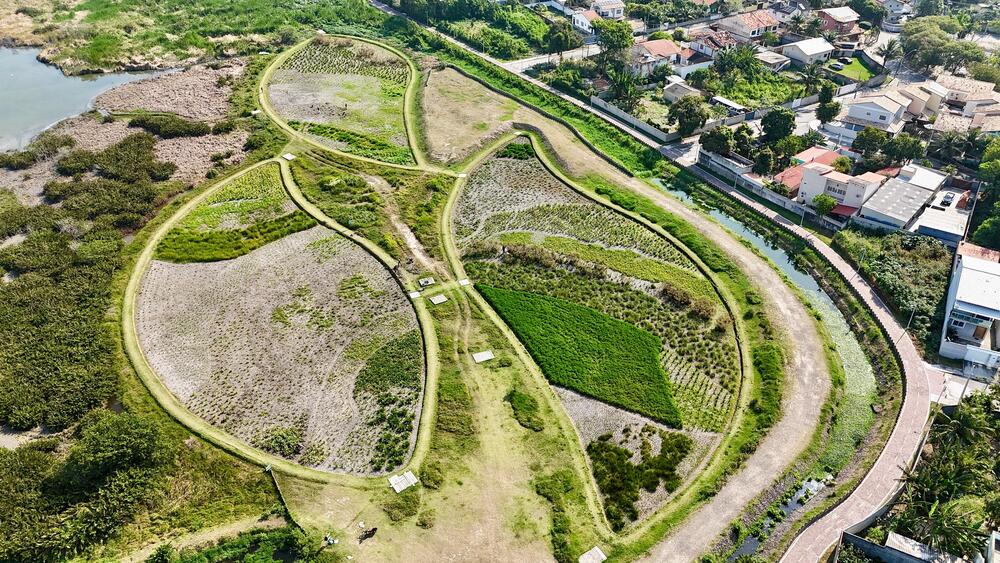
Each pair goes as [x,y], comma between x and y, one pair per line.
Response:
[356,292]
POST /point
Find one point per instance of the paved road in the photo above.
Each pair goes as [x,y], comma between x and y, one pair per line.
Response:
[882,481]
[575,54]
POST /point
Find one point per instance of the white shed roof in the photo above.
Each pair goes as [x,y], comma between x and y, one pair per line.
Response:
[811,47]
[400,483]
[595,555]
[979,285]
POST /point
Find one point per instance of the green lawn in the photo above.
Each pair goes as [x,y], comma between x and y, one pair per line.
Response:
[857,70]
[589,352]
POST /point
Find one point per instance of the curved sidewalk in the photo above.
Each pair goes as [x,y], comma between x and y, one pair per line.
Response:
[882,481]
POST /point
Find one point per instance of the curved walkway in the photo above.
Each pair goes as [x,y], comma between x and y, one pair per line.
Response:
[881,483]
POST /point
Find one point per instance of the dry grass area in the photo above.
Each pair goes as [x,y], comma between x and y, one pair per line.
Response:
[193,155]
[459,116]
[18,28]
[276,339]
[200,92]
[593,419]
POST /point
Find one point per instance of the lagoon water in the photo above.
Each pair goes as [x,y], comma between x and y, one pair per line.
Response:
[34,96]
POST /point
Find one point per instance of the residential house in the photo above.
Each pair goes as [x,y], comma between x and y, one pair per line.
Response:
[648,55]
[749,27]
[898,203]
[676,89]
[841,20]
[883,111]
[849,191]
[772,60]
[808,51]
[710,42]
[971,332]
[925,98]
[690,61]
[785,10]
[584,20]
[897,13]
[946,216]
[609,9]
[966,93]
[792,177]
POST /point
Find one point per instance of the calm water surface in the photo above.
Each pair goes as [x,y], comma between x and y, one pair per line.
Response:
[34,96]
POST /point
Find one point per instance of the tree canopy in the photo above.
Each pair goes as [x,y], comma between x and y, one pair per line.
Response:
[689,113]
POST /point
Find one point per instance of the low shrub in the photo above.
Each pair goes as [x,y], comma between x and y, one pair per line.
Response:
[284,441]
[169,126]
[402,506]
[359,144]
[519,151]
[525,409]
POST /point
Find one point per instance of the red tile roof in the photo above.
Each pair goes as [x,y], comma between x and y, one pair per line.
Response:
[757,19]
[845,210]
[660,47]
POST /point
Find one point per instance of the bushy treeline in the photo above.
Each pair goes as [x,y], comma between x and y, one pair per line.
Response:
[55,505]
[257,546]
[512,31]
[169,126]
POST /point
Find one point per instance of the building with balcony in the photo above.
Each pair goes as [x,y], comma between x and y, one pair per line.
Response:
[971,332]
[882,111]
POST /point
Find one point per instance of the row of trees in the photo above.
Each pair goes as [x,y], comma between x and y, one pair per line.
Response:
[931,42]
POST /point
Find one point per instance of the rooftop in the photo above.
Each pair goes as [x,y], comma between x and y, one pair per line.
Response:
[810,47]
[969,249]
[816,154]
[898,199]
[662,48]
[979,284]
[716,39]
[756,19]
[842,14]
[922,177]
[938,218]
[962,84]
[591,15]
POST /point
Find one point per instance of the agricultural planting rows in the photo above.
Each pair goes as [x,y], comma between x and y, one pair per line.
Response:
[616,317]
[347,95]
[283,333]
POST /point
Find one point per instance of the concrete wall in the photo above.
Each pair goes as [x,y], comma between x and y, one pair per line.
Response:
[628,118]
[877,552]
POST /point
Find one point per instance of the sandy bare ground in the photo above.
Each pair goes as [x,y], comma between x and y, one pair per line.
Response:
[193,155]
[593,418]
[460,116]
[194,93]
[214,333]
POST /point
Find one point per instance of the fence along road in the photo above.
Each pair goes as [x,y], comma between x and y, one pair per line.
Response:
[882,482]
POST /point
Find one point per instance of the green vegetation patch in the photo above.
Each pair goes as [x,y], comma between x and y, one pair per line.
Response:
[620,479]
[525,409]
[284,441]
[358,144]
[245,214]
[398,364]
[589,352]
[257,546]
[169,126]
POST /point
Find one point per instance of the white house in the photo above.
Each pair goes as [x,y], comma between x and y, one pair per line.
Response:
[897,12]
[898,203]
[962,90]
[882,111]
[749,27]
[971,332]
[584,20]
[850,191]
[772,60]
[609,9]
[808,51]
[925,98]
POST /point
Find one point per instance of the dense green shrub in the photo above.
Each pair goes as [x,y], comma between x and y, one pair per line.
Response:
[397,365]
[520,151]
[359,144]
[402,506]
[589,352]
[211,246]
[554,488]
[620,480]
[525,409]
[257,546]
[169,126]
[284,441]
[75,162]
[44,146]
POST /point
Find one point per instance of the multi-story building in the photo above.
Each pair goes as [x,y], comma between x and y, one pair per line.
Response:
[609,9]
[710,42]
[971,332]
[841,20]
[896,14]
[850,192]
[882,111]
[749,27]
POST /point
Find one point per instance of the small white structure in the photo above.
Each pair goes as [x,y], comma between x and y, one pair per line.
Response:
[288,156]
[255,112]
[464,282]
[424,282]
[973,311]
[595,555]
[484,356]
[438,299]
[400,483]
[414,295]
[676,89]
[584,20]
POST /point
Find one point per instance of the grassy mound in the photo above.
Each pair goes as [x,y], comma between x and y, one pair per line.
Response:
[589,352]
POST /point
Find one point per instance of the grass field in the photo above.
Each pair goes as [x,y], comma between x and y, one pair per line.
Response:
[244,215]
[589,352]
[856,70]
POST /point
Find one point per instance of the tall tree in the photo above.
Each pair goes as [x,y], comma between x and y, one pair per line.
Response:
[689,113]
[764,162]
[718,140]
[615,39]
[778,124]
[827,111]
[948,146]
[812,76]
[824,204]
[624,86]
[890,51]
[561,37]
[904,147]
[869,141]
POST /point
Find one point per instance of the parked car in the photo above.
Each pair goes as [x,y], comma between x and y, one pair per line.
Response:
[837,66]
[948,198]
[845,60]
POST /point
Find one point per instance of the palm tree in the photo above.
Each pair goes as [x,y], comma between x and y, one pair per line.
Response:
[891,50]
[812,76]
[948,146]
[813,26]
[975,142]
[796,24]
